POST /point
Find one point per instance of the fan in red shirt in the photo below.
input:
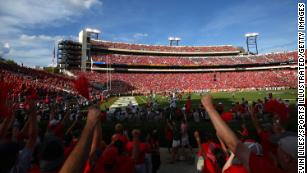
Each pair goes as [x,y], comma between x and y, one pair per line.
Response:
[119,130]
[57,126]
[113,160]
[137,150]
[243,133]
[277,108]
[169,137]
[208,150]
[188,105]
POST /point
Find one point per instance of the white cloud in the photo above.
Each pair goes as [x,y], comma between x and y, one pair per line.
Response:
[34,49]
[4,49]
[20,16]
[22,13]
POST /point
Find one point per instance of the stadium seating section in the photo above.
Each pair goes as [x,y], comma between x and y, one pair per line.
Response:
[24,78]
[195,61]
[127,46]
[145,82]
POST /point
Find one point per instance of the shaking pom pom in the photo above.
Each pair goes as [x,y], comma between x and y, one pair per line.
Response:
[81,85]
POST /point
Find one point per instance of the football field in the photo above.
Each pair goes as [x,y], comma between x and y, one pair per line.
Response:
[227,98]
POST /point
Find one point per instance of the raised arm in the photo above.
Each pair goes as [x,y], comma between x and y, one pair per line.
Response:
[71,127]
[224,147]
[96,139]
[228,162]
[225,133]
[77,159]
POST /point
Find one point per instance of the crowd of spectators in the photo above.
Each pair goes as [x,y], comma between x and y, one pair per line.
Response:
[21,81]
[160,48]
[196,61]
[161,82]
[64,143]
[37,77]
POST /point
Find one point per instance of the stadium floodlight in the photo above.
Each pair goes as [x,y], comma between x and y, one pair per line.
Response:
[253,34]
[96,31]
[251,42]
[177,38]
[174,40]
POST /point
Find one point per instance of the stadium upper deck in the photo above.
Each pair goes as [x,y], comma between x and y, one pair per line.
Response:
[94,54]
[117,59]
[162,49]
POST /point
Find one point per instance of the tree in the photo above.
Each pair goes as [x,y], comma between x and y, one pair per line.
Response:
[10,61]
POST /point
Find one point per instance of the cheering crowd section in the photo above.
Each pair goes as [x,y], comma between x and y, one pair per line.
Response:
[161,82]
[66,144]
[127,46]
[199,61]
[50,88]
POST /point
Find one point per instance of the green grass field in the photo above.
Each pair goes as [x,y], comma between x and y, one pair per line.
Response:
[227,98]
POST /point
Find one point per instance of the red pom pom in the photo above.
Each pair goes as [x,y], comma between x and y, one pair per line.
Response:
[81,85]
[226,116]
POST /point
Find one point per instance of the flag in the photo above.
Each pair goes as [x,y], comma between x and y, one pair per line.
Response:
[81,85]
[53,57]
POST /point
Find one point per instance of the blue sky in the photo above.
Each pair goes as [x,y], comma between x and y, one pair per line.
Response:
[29,28]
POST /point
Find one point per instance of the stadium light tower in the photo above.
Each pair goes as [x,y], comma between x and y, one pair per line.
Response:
[251,42]
[177,39]
[174,41]
[170,39]
[85,37]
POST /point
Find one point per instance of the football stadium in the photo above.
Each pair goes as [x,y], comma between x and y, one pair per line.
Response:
[131,107]
[147,71]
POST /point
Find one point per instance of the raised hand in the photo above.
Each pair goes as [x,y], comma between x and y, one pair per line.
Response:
[206,101]
[93,116]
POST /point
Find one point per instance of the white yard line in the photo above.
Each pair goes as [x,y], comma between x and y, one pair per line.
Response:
[124,102]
